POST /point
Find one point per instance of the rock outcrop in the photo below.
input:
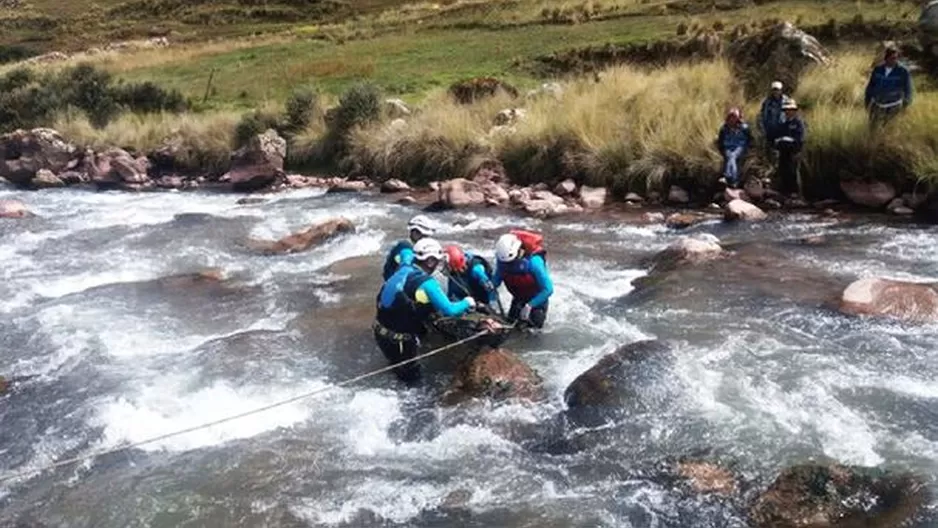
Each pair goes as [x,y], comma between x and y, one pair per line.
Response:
[873,194]
[494,373]
[461,192]
[117,168]
[304,239]
[258,164]
[833,495]
[23,153]
[907,301]
[781,52]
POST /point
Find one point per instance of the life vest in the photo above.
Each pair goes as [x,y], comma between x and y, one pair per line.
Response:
[392,262]
[476,290]
[517,275]
[398,309]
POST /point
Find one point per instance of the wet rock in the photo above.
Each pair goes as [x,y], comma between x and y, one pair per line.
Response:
[688,250]
[457,499]
[903,211]
[813,240]
[814,495]
[304,239]
[633,198]
[565,188]
[593,197]
[907,301]
[4,386]
[258,164]
[683,220]
[754,189]
[678,195]
[741,210]
[771,203]
[115,167]
[394,186]
[251,201]
[706,477]
[549,208]
[170,182]
[348,186]
[461,192]
[731,194]
[23,153]
[297,181]
[874,194]
[495,193]
[494,373]
[406,200]
[45,179]
[628,379]
[13,209]
[653,218]
[208,276]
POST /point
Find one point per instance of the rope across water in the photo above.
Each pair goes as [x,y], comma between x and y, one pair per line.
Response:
[124,447]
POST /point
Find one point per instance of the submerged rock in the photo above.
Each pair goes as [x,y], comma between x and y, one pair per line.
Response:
[821,496]
[494,373]
[4,385]
[304,239]
[908,301]
[13,209]
[614,380]
[707,477]
[688,250]
[347,186]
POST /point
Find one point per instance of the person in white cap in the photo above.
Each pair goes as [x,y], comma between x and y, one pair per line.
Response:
[770,115]
[403,252]
[789,140]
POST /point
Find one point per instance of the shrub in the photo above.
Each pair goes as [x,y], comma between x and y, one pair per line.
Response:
[254,123]
[359,106]
[14,53]
[300,110]
[89,89]
[148,97]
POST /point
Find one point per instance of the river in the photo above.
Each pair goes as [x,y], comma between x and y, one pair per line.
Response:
[766,376]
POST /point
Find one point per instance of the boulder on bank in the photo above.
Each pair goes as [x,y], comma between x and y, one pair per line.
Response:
[494,373]
[258,164]
[304,239]
[907,301]
[592,197]
[739,209]
[115,167]
[347,186]
[23,153]
[13,209]
[45,179]
[394,186]
[781,52]
[813,495]
[460,192]
[875,194]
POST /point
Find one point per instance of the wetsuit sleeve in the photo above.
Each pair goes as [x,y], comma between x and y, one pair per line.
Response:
[434,293]
[478,273]
[405,257]
[539,270]
[497,275]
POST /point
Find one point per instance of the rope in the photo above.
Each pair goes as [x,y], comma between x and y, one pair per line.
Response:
[281,403]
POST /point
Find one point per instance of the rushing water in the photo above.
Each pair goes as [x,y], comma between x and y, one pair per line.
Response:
[766,376]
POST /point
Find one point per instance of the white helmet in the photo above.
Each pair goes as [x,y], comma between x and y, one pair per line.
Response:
[422,224]
[427,248]
[508,248]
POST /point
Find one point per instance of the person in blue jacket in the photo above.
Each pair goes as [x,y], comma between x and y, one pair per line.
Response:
[789,140]
[403,252]
[521,265]
[471,275]
[407,302]
[889,89]
[733,140]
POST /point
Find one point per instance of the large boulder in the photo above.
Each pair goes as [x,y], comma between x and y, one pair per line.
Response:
[875,194]
[822,496]
[258,164]
[494,373]
[461,192]
[907,301]
[781,52]
[394,186]
[742,210]
[688,250]
[115,167]
[45,179]
[304,239]
[592,197]
[23,153]
[13,209]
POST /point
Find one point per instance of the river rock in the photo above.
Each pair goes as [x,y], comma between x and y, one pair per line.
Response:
[116,166]
[170,182]
[907,301]
[683,220]
[565,188]
[394,186]
[730,194]
[45,179]
[653,217]
[874,194]
[814,495]
[251,201]
[706,477]
[347,186]
[495,193]
[23,153]
[258,164]
[494,373]
[593,197]
[13,209]
[460,192]
[742,210]
[4,386]
[678,195]
[754,189]
[688,250]
[304,239]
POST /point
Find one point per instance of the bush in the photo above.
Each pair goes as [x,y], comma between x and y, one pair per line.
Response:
[13,53]
[254,123]
[89,89]
[300,110]
[148,97]
[359,106]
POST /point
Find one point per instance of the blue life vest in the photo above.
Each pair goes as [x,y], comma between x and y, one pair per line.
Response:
[397,305]
[391,262]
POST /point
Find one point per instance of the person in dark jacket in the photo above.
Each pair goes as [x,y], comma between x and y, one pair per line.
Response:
[407,303]
[788,141]
[403,251]
[733,141]
[889,89]
[771,115]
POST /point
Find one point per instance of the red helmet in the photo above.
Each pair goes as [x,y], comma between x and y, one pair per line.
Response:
[456,258]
